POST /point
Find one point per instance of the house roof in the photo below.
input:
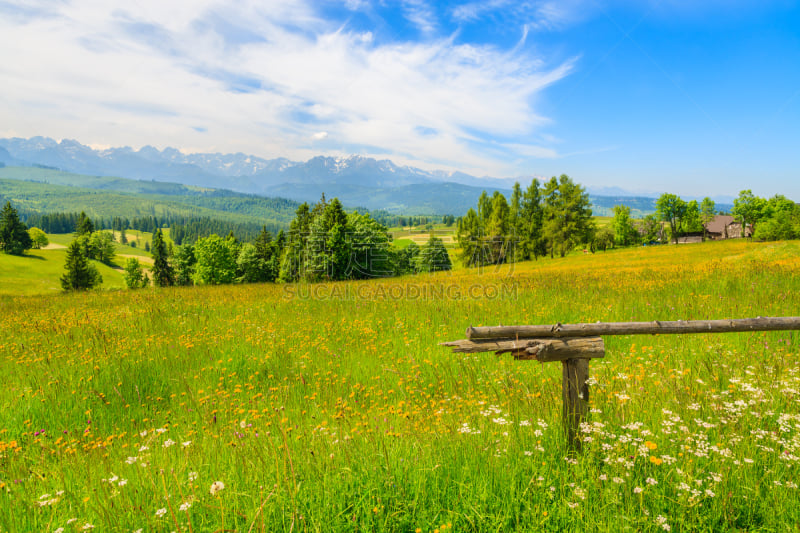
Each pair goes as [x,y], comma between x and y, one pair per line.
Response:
[718,223]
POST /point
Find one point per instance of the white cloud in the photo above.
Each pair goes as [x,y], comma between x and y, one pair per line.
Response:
[264,78]
[419,13]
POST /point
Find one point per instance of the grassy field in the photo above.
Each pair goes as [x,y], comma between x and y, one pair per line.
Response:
[40,271]
[332,407]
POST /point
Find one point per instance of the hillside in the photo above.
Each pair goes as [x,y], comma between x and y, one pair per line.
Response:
[39,272]
[46,190]
[158,197]
[335,403]
[356,181]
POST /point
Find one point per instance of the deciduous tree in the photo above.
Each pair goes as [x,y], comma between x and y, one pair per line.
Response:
[625,233]
[134,275]
[670,208]
[38,238]
[708,210]
[216,261]
[748,209]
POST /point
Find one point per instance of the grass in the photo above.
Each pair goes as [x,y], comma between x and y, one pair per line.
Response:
[40,271]
[332,407]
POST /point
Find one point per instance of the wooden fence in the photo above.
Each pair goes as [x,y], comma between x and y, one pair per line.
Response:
[575,344]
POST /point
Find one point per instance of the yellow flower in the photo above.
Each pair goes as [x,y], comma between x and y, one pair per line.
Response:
[651,445]
[655,460]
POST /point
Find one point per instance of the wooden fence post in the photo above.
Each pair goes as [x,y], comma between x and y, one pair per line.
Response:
[575,393]
[575,344]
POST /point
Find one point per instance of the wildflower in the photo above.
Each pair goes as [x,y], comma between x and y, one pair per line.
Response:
[651,481]
[637,490]
[618,480]
[87,526]
[161,512]
[651,445]
[186,444]
[131,460]
[192,476]
[168,443]
[185,506]
[216,487]
[655,460]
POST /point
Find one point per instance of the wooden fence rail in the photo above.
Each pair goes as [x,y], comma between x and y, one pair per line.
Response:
[635,328]
[575,344]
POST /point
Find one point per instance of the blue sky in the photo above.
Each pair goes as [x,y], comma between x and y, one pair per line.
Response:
[696,98]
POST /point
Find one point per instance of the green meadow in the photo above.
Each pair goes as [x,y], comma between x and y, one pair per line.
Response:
[332,407]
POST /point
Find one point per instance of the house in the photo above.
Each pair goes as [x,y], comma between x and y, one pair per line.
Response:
[726,227]
[689,238]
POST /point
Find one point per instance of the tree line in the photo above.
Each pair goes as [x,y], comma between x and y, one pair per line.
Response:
[776,218]
[546,219]
[182,228]
[324,243]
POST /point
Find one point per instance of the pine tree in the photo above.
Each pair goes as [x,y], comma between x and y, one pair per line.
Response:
[14,237]
[80,274]
[85,226]
[163,273]
[433,256]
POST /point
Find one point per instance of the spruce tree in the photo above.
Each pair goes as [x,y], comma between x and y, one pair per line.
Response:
[433,257]
[163,273]
[80,274]
[14,237]
[85,226]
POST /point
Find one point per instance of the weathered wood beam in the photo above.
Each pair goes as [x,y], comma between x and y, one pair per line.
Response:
[634,328]
[575,393]
[543,350]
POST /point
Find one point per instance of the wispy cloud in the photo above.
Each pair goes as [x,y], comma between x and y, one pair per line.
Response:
[422,15]
[261,77]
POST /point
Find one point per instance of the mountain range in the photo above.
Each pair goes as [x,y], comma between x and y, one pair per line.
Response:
[357,181]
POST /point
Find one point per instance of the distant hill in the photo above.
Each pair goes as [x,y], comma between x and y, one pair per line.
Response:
[356,181]
[47,191]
